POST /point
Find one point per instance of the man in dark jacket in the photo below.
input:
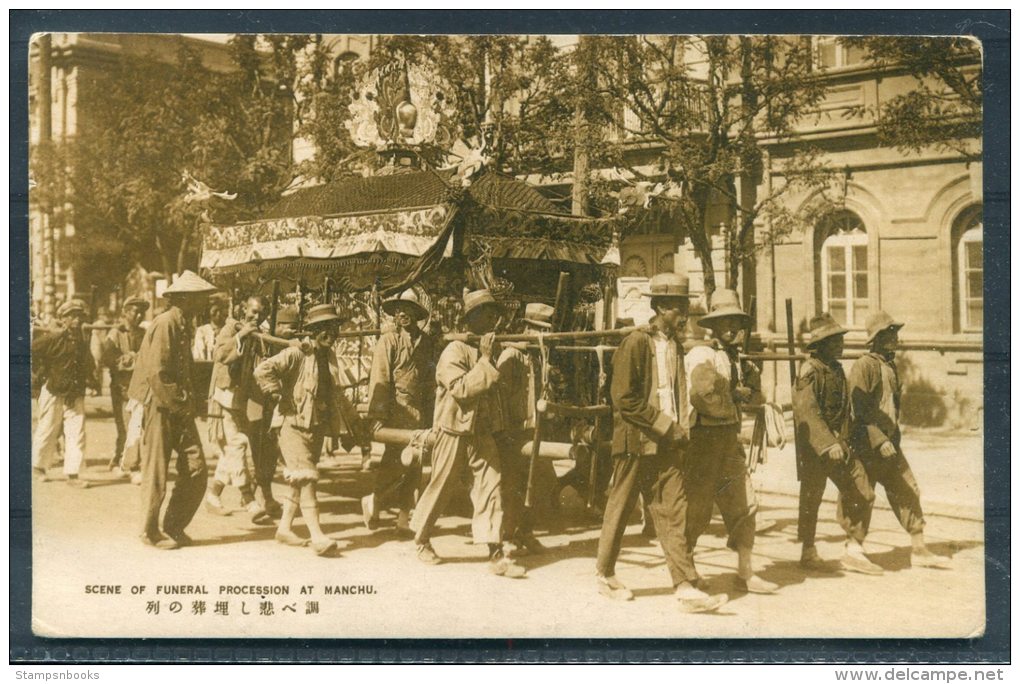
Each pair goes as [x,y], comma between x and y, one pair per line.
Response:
[163,381]
[821,413]
[650,434]
[401,394]
[64,362]
[519,379]
[119,351]
[875,433]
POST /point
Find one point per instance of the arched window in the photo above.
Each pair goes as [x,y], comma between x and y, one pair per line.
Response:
[843,261]
[968,265]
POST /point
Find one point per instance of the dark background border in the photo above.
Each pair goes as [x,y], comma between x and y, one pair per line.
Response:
[991,26]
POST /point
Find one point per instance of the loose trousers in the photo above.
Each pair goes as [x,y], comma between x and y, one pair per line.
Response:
[265,454]
[121,416]
[715,472]
[235,464]
[518,520]
[56,416]
[659,480]
[853,508]
[132,459]
[450,455]
[901,488]
[163,434]
[394,484]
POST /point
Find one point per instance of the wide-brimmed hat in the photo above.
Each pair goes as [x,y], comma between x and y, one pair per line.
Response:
[669,285]
[822,327]
[408,297]
[879,321]
[478,300]
[72,306]
[288,314]
[320,315]
[539,315]
[190,283]
[725,304]
[137,302]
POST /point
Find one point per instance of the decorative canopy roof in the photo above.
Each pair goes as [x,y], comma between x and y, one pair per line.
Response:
[410,189]
[385,227]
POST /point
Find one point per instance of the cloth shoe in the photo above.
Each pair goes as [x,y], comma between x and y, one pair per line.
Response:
[273,509]
[290,539]
[756,585]
[927,559]
[693,600]
[810,560]
[162,543]
[40,474]
[529,544]
[612,588]
[136,477]
[181,538]
[214,505]
[858,563]
[427,555]
[501,566]
[324,548]
[74,481]
[258,513]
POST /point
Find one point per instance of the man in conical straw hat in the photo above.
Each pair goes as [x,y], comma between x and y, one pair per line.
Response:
[163,382]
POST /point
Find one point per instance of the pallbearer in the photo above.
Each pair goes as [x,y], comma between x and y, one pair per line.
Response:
[304,383]
[163,382]
[821,413]
[517,374]
[650,436]
[401,394]
[715,469]
[119,351]
[236,399]
[875,391]
[467,415]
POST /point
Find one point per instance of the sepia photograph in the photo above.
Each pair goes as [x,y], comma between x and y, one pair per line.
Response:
[537,336]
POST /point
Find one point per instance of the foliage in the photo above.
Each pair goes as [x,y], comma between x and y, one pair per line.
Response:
[142,124]
[706,105]
[944,108]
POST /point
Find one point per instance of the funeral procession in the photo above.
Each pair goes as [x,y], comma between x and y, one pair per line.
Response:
[505,336]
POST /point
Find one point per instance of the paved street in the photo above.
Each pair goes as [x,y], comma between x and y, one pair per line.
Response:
[84,538]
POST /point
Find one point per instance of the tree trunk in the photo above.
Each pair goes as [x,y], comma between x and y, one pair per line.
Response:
[585,77]
[165,258]
[182,254]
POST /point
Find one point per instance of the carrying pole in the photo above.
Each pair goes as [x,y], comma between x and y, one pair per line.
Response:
[536,439]
[792,348]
